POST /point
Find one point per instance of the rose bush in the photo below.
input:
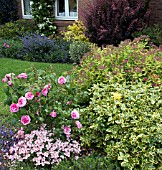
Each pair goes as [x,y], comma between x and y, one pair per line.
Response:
[40,97]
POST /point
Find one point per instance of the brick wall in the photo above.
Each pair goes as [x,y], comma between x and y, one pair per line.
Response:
[155,7]
[19,8]
[156,12]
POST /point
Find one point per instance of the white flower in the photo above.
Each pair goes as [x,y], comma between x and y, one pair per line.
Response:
[40,7]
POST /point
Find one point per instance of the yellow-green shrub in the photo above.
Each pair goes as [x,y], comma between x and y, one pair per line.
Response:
[75,32]
[17,29]
[124,121]
[131,62]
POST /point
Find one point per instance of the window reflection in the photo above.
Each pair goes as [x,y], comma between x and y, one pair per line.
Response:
[72,7]
[27,7]
[61,8]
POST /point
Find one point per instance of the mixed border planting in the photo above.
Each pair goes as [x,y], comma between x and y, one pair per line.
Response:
[104,113]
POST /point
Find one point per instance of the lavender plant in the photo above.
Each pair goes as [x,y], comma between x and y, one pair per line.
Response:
[7,139]
[42,49]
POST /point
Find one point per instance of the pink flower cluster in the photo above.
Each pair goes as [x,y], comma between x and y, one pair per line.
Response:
[22,101]
[67,129]
[40,147]
[8,78]
[22,76]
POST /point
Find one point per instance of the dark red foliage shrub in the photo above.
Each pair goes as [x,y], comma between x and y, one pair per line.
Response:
[112,21]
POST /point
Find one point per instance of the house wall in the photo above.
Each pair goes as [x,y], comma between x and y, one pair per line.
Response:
[155,7]
[156,12]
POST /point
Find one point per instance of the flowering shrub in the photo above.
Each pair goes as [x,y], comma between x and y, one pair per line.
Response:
[39,97]
[42,13]
[75,32]
[41,49]
[42,148]
[124,121]
[131,62]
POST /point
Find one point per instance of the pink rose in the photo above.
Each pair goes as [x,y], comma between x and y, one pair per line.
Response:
[25,119]
[10,83]
[22,101]
[9,76]
[7,46]
[61,80]
[37,94]
[53,114]
[75,114]
[29,95]
[67,130]
[14,107]
[45,91]
[4,80]
[22,75]
[79,125]
[4,44]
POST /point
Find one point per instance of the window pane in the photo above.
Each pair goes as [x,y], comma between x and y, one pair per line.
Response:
[73,8]
[61,8]
[27,7]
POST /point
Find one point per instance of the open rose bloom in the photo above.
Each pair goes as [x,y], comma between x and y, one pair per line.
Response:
[29,95]
[75,114]
[14,107]
[25,119]
[53,114]
[61,80]
[45,91]
[22,101]
[67,130]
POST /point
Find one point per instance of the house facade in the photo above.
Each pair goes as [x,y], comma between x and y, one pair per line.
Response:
[67,11]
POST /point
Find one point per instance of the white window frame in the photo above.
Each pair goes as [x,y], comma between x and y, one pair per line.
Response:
[66,17]
[23,14]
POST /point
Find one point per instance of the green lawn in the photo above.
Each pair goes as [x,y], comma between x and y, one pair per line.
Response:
[17,66]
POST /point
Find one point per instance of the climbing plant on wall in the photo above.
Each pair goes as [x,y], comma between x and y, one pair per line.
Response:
[42,11]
